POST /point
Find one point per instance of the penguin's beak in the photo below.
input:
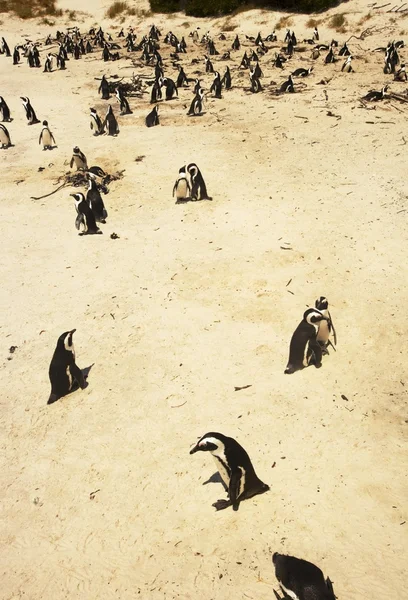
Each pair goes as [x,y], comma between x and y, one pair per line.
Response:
[72,331]
[194,449]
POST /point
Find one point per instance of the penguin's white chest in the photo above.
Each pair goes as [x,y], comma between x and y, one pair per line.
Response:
[46,137]
[182,189]
[3,137]
[324,332]
[79,163]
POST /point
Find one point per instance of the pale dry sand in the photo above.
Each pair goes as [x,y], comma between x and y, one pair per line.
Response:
[191,301]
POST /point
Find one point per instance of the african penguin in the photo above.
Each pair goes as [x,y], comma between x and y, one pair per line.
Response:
[123,102]
[300,579]
[79,159]
[64,374]
[234,466]
[46,137]
[30,114]
[226,80]
[304,348]
[104,88]
[326,327]
[196,106]
[4,110]
[198,187]
[152,118]
[110,123]
[94,199]
[182,187]
[5,140]
[96,123]
[85,216]
[347,67]
[171,89]
[216,85]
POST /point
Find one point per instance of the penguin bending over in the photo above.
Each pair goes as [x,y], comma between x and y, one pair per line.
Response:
[304,348]
[4,110]
[300,579]
[198,187]
[64,373]
[46,137]
[110,122]
[235,469]
[152,118]
[85,216]
[5,140]
[94,199]
[30,114]
[79,159]
[96,123]
[171,89]
[287,86]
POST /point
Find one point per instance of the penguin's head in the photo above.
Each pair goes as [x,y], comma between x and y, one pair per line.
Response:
[210,442]
[322,303]
[78,197]
[313,316]
[76,150]
[45,123]
[24,99]
[65,341]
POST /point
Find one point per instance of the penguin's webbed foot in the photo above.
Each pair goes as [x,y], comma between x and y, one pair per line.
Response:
[289,370]
[53,398]
[222,504]
[318,365]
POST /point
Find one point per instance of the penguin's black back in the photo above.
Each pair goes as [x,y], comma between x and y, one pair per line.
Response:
[61,360]
[302,577]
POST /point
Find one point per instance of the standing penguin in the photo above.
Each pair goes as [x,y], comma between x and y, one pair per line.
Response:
[4,110]
[347,67]
[182,77]
[16,56]
[123,102]
[48,64]
[196,106]
[110,123]
[326,327]
[198,187]
[156,94]
[104,88]
[287,86]
[208,65]
[300,579]
[182,187]
[46,137]
[235,468]
[96,123]
[304,348]
[226,80]
[30,114]
[255,83]
[171,88]
[64,373]
[5,140]
[152,118]
[94,199]
[236,45]
[85,216]
[216,85]
[79,159]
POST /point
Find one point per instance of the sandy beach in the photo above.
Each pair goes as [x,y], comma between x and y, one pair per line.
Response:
[100,497]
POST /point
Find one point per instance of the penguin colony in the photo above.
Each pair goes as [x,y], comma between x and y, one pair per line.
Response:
[315,333]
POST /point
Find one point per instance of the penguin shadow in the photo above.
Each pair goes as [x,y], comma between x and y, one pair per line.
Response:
[50,148]
[216,478]
[189,199]
[85,373]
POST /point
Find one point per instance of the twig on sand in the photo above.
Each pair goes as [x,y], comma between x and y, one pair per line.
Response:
[179,405]
[51,193]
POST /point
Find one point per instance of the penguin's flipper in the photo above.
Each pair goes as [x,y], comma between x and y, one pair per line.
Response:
[334,331]
[233,491]
[329,585]
[79,220]
[39,140]
[221,504]
[277,595]
[78,375]
[316,354]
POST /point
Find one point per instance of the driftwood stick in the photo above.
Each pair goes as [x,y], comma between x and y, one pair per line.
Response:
[50,194]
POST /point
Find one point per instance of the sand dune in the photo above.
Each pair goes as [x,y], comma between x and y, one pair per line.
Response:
[193,300]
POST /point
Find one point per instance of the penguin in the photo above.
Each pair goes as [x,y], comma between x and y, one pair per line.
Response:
[287,86]
[48,64]
[216,85]
[182,187]
[98,174]
[235,469]
[182,77]
[326,328]
[198,187]
[300,579]
[5,48]
[46,137]
[171,89]
[152,118]
[156,94]
[279,60]
[304,348]
[272,37]
[96,123]
[302,72]
[110,122]
[196,106]
[344,50]
[255,83]
[208,65]
[64,373]
[85,216]
[79,159]
[94,199]
[330,58]
[244,62]
[16,56]
[226,80]
[123,102]
[61,61]
[104,88]
[30,114]
[346,67]
[4,110]
[374,96]
[316,34]
[5,140]
[236,45]
[401,74]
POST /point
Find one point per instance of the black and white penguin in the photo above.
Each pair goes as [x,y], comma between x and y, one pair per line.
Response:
[5,140]
[236,45]
[196,106]
[279,60]
[272,37]
[152,118]
[301,72]
[347,66]
[198,186]
[344,50]
[46,137]
[244,62]
[16,56]
[330,58]
[4,110]
[171,89]
[181,78]
[5,48]
[208,65]
[182,187]
[300,579]
[304,348]
[96,123]
[65,375]
[255,83]
[235,469]
[156,94]
[99,175]
[316,34]
[110,123]
[287,86]
[226,80]
[104,88]
[48,64]
[374,96]
[123,101]
[326,327]
[216,85]
[85,216]
[30,114]
[79,159]
[94,199]
[401,74]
